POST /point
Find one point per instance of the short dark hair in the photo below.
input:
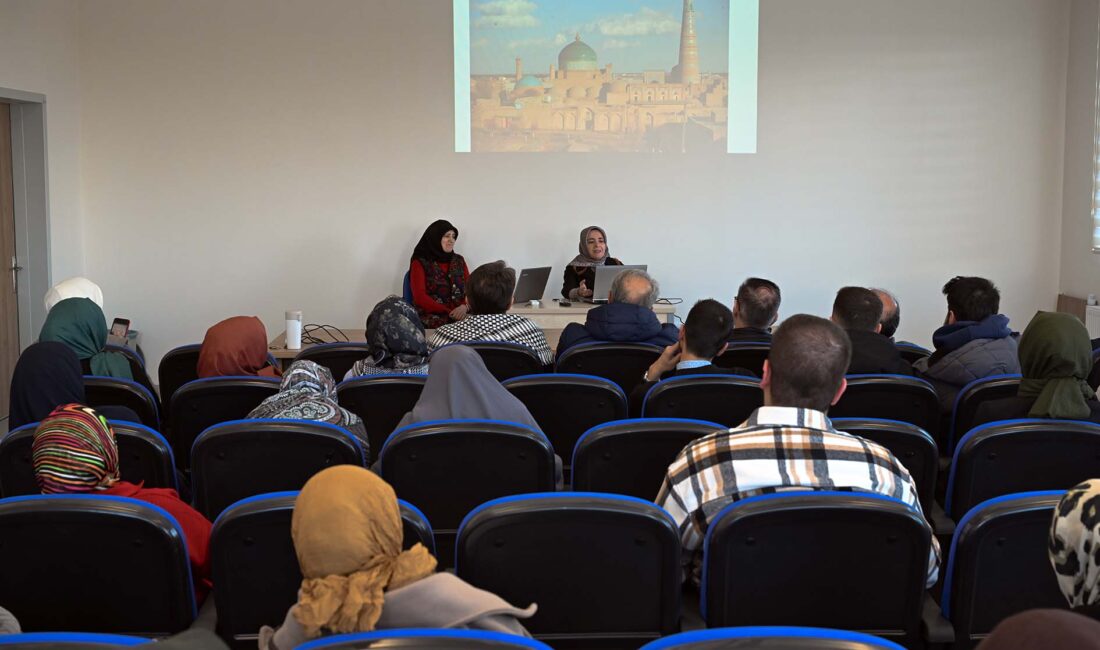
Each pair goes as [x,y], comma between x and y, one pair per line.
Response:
[758,302]
[489,288]
[808,359]
[890,319]
[707,328]
[971,298]
[856,308]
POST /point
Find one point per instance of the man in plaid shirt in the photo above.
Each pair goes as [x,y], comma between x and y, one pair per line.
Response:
[787,444]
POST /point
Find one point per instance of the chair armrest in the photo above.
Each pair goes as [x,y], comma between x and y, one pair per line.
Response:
[935,628]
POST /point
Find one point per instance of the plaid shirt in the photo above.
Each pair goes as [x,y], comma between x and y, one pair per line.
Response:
[776,449]
[504,328]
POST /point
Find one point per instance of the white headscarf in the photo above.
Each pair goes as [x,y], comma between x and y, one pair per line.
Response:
[77,287]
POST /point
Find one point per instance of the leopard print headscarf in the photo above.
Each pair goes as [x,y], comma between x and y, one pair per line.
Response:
[1074,544]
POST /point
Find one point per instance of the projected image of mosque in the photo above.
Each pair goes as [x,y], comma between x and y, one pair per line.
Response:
[578,105]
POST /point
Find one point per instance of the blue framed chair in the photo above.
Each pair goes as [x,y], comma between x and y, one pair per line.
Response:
[113,391]
[68,640]
[337,357]
[968,400]
[632,456]
[144,457]
[1020,456]
[380,401]
[242,458]
[406,289]
[912,352]
[726,399]
[425,639]
[865,570]
[772,638]
[177,367]
[890,397]
[910,444]
[750,356]
[999,564]
[507,360]
[449,467]
[554,548]
[200,404]
[131,354]
[153,596]
[622,363]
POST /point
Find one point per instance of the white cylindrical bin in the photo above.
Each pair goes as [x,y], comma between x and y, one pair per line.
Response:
[294,329]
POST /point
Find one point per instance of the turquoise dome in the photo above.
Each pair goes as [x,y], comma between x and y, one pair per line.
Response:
[529,81]
[577,56]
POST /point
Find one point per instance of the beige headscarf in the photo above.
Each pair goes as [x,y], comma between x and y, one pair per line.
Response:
[347,533]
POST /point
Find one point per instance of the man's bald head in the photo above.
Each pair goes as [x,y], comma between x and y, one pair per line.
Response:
[634,287]
[891,312]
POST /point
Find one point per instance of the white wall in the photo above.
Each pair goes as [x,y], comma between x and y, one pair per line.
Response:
[1080,272]
[257,155]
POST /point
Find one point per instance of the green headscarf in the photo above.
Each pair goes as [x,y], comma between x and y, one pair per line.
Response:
[1055,359]
[79,323]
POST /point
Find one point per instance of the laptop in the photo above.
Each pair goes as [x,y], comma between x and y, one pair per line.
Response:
[531,284]
[605,275]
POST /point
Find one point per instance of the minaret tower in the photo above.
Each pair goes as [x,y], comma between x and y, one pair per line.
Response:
[688,68]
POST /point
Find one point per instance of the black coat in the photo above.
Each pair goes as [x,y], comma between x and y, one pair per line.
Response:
[874,354]
[750,335]
[574,275]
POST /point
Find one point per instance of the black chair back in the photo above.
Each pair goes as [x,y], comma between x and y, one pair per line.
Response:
[507,360]
[908,443]
[236,460]
[380,401]
[632,456]
[113,391]
[565,406]
[890,397]
[622,363]
[1094,376]
[552,548]
[965,411]
[1020,456]
[912,352]
[428,639]
[726,399]
[864,570]
[68,641]
[115,565]
[750,356]
[200,404]
[448,468]
[337,357]
[771,638]
[179,366]
[999,564]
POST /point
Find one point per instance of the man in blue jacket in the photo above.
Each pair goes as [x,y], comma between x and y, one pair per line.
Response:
[626,318]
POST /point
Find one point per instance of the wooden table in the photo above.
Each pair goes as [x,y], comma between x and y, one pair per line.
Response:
[277,346]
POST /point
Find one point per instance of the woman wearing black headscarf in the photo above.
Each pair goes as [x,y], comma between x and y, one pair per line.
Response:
[437,276]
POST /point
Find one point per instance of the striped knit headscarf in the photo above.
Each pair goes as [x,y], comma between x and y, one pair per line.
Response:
[74,450]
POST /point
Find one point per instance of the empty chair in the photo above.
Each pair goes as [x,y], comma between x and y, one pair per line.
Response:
[890,397]
[177,367]
[507,360]
[726,399]
[202,403]
[771,638]
[622,363]
[337,357]
[750,356]
[632,456]
[565,405]
[68,640]
[865,569]
[234,460]
[423,639]
[1019,456]
[448,468]
[912,352]
[112,391]
[116,565]
[380,401]
[999,565]
[908,443]
[604,569]
[970,399]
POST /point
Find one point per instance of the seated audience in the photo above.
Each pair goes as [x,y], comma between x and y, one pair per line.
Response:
[789,443]
[308,392]
[74,451]
[73,288]
[1055,361]
[1073,546]
[974,342]
[859,311]
[1040,629]
[236,347]
[348,536]
[755,310]
[891,313]
[626,318]
[489,296]
[702,338]
[48,375]
[395,336]
[437,276]
[580,274]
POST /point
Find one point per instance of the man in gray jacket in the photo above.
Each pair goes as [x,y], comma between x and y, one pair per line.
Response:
[974,342]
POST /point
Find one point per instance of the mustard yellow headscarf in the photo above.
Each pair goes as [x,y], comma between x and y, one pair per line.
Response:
[347,533]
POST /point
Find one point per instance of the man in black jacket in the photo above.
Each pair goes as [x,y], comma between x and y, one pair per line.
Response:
[859,311]
[755,310]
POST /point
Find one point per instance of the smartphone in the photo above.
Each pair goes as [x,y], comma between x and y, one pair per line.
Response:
[121,327]
[564,303]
